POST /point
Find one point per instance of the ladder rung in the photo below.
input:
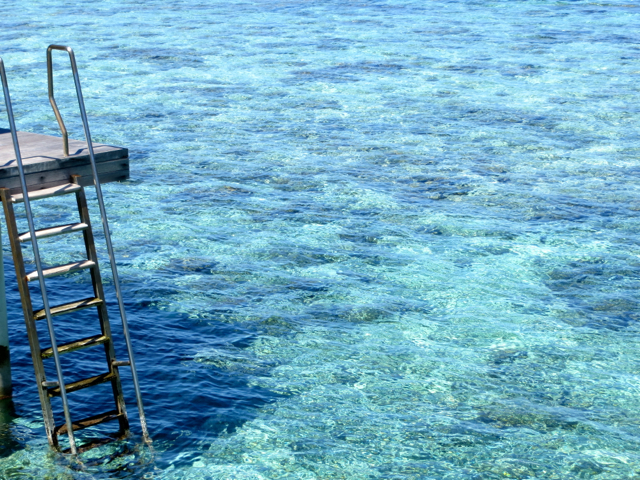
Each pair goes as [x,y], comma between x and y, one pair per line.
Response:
[51,232]
[80,384]
[62,269]
[47,192]
[89,422]
[77,345]
[68,307]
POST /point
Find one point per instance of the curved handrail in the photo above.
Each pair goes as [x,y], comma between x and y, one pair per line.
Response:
[103,214]
[36,254]
[52,100]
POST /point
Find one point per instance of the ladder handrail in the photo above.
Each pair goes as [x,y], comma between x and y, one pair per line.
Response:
[54,105]
[36,254]
[103,213]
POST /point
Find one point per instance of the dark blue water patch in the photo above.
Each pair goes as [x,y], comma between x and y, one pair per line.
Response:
[156,54]
[298,212]
[185,391]
[328,75]
[424,188]
[9,442]
[163,376]
[360,277]
[470,69]
[430,230]
[302,256]
[193,265]
[139,299]
[508,356]
[349,313]
[599,293]
[482,431]
[554,213]
[358,238]
[308,286]
[319,104]
[525,414]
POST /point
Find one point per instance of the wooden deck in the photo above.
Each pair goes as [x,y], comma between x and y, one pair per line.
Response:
[45,165]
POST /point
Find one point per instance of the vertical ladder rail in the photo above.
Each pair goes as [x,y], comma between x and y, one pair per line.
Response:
[36,254]
[103,213]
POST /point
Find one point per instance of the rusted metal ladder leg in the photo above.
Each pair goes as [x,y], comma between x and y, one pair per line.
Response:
[103,315]
[27,308]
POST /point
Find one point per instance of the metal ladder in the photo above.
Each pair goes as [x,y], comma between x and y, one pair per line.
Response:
[52,388]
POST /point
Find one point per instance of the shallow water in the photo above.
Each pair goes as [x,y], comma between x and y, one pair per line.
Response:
[371,239]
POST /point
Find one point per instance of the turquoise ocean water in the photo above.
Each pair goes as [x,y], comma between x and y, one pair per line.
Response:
[361,239]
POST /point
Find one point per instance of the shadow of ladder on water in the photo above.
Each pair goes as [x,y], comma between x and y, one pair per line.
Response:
[49,389]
